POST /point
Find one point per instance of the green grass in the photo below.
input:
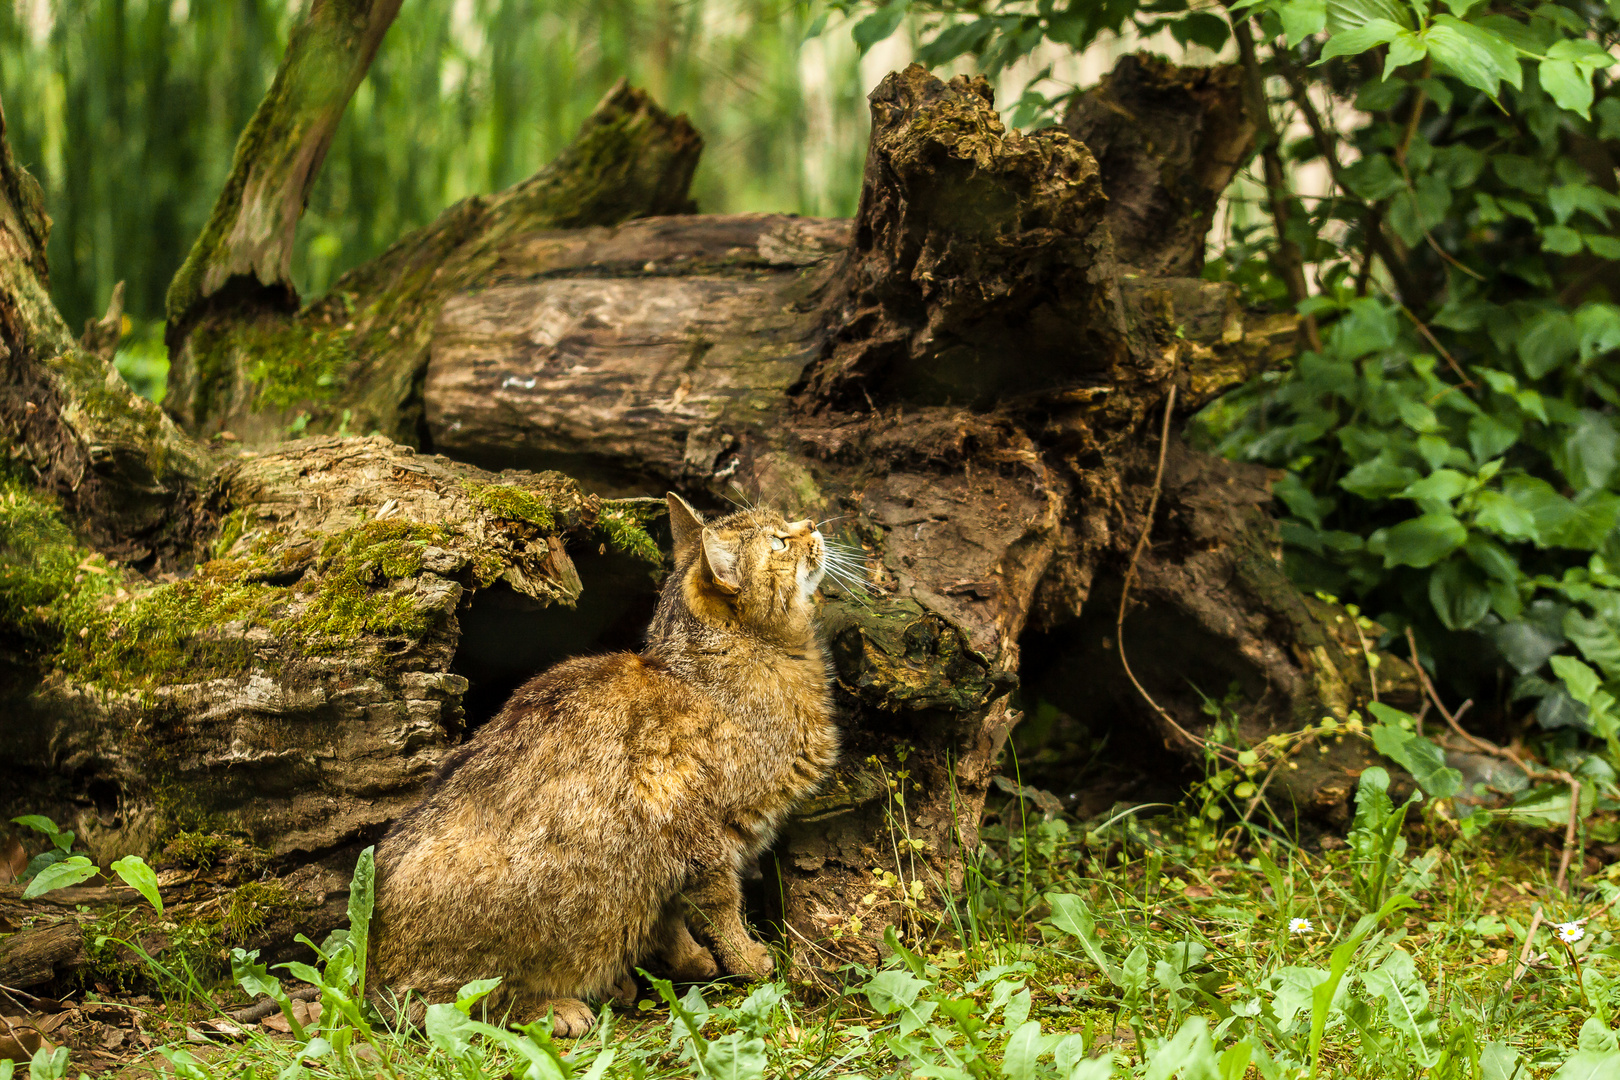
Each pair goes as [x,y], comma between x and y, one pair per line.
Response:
[1126,946]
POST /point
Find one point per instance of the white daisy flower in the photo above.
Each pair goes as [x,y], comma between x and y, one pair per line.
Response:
[1300,926]
[1570,932]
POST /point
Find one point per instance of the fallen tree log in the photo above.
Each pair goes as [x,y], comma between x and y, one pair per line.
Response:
[285,639]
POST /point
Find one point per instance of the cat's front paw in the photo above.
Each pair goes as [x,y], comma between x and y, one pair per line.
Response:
[752,959]
[695,965]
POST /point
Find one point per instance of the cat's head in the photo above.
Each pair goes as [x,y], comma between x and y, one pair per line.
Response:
[754,568]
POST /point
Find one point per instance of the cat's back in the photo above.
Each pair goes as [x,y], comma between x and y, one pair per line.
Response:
[592,734]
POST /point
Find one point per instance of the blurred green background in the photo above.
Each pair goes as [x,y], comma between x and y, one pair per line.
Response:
[127,112]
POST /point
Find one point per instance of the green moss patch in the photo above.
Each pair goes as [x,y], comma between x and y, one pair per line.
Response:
[625,521]
[289,361]
[514,503]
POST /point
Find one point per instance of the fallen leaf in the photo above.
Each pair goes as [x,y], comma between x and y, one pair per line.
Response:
[112,1038]
[13,860]
[18,1041]
[276,1022]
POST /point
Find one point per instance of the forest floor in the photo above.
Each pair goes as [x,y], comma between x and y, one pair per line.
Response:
[1126,945]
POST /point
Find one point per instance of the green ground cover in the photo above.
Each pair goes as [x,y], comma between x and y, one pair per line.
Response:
[1127,946]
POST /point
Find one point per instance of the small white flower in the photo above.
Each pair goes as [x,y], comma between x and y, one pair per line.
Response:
[1570,932]
[1300,926]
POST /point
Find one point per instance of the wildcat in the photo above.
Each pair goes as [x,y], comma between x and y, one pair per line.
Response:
[605,812]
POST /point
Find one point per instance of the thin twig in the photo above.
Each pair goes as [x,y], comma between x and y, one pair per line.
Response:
[1569,835]
[1524,954]
[1428,335]
[1130,574]
[1366,654]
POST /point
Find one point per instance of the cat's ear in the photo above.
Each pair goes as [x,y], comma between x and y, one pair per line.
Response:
[720,564]
[686,524]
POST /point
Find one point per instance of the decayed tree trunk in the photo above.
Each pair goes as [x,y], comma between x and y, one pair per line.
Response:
[969,377]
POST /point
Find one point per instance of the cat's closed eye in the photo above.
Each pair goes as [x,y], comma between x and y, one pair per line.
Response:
[777,543]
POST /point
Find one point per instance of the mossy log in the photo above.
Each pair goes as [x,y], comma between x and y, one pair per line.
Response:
[967,377]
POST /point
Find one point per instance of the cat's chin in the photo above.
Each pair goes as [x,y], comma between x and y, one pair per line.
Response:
[810,579]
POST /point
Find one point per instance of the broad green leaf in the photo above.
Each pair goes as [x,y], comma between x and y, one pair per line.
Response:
[1526,645]
[1416,754]
[474,992]
[1458,594]
[891,991]
[1302,18]
[1569,85]
[69,871]
[1440,486]
[1292,988]
[1373,178]
[49,1063]
[1582,681]
[39,823]
[1206,29]
[1504,516]
[140,877]
[1324,995]
[1020,1060]
[1379,477]
[1499,1061]
[1423,541]
[1560,240]
[1359,39]
[736,1056]
[953,41]
[1547,341]
[1071,915]
[1479,57]
[362,889]
[1590,1065]
[1590,451]
[879,25]
[1598,641]
[1189,1052]
[1489,437]
[1346,14]
[1406,1004]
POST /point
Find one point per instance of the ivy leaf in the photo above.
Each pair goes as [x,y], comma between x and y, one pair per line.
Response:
[69,871]
[1458,594]
[1414,753]
[1489,437]
[1379,477]
[1442,486]
[1373,178]
[1526,645]
[1597,640]
[1590,452]
[1560,240]
[1423,541]
[1547,340]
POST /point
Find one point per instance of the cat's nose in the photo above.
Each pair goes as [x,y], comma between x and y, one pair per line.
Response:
[799,528]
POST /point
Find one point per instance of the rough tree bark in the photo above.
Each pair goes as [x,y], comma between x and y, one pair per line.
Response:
[969,377]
